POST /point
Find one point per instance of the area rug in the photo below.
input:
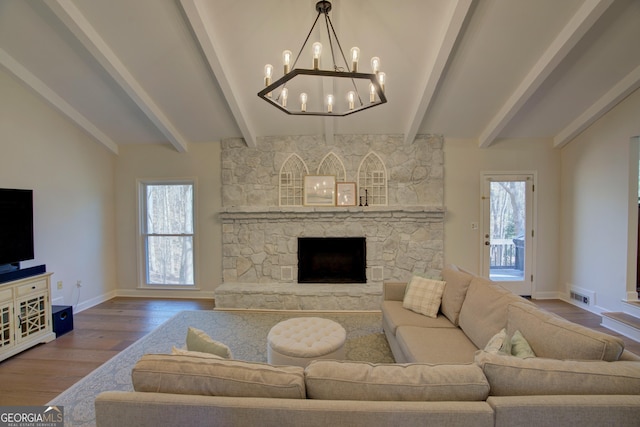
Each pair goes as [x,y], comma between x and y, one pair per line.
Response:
[244,332]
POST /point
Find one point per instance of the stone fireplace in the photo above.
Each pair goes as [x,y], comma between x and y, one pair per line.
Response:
[260,238]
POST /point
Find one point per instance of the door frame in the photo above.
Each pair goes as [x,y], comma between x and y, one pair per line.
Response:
[484,175]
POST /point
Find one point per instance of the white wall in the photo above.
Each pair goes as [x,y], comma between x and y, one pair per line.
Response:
[464,162]
[597,234]
[202,162]
[72,179]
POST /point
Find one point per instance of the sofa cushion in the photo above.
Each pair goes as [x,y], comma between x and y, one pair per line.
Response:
[457,284]
[435,345]
[395,315]
[484,310]
[198,340]
[184,352]
[344,380]
[556,338]
[178,374]
[423,296]
[512,376]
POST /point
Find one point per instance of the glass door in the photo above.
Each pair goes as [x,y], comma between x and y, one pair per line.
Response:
[507,230]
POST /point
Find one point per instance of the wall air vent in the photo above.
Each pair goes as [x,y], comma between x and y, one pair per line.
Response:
[582,299]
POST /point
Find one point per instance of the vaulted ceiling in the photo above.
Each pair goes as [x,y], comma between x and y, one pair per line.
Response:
[187,71]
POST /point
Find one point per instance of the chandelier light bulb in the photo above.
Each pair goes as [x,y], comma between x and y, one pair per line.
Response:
[329,103]
[317,51]
[268,72]
[284,95]
[286,60]
[351,97]
[303,102]
[372,93]
[382,79]
[355,57]
[375,65]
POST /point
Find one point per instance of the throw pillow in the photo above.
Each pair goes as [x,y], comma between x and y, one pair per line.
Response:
[198,340]
[424,296]
[496,342]
[520,347]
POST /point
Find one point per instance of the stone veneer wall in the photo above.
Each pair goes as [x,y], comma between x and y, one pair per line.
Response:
[260,238]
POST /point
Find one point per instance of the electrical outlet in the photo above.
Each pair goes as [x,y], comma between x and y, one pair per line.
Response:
[59,284]
[79,284]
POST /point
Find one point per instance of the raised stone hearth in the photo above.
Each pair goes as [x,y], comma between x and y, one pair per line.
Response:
[294,296]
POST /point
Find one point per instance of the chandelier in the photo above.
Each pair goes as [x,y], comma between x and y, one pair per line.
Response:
[318,92]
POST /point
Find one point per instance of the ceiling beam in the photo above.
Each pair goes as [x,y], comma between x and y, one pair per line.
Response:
[14,67]
[80,27]
[447,44]
[203,31]
[578,25]
[617,93]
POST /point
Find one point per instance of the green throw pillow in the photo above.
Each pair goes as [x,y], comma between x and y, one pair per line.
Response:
[198,340]
[520,347]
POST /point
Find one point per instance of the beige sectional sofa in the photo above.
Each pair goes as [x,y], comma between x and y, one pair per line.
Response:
[443,376]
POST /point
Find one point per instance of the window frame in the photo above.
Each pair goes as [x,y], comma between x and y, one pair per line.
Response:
[142,235]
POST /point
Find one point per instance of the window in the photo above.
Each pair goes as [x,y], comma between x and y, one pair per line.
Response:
[167,232]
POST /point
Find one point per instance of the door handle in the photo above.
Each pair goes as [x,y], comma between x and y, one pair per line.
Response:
[487,243]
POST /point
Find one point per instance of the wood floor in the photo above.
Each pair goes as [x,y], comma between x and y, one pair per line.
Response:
[36,376]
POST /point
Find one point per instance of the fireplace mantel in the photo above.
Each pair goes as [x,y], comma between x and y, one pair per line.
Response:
[252,213]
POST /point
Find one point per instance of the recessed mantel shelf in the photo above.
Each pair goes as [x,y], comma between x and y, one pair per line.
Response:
[305,213]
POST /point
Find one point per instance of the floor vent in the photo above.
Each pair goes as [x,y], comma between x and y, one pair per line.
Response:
[583,299]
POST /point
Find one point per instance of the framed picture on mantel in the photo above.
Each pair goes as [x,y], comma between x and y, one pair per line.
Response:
[319,190]
[346,194]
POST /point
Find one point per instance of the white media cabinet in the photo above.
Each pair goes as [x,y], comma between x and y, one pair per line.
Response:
[25,314]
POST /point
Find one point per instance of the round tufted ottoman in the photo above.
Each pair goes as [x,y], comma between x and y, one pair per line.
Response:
[300,340]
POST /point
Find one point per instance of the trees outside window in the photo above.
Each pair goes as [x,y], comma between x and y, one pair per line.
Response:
[167,233]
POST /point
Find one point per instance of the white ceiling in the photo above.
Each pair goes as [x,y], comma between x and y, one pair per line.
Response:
[187,71]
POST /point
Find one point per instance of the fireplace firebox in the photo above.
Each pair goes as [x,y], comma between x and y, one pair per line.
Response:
[332,260]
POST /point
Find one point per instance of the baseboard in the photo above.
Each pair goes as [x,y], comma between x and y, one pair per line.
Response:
[160,293]
[93,301]
[134,294]
[546,295]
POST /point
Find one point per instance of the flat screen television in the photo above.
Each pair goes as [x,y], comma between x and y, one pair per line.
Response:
[16,227]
